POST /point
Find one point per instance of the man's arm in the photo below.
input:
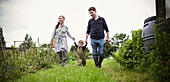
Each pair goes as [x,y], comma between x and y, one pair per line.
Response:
[88,31]
[106,29]
[86,37]
[107,36]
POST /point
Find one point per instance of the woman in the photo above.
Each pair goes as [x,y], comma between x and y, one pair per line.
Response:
[61,46]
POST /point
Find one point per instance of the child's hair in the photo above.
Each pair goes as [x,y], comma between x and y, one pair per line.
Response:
[81,42]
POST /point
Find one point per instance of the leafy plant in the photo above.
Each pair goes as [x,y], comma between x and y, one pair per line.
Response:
[156,63]
[159,56]
[131,51]
[16,63]
[109,49]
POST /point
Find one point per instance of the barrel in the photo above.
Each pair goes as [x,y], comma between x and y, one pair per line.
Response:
[148,32]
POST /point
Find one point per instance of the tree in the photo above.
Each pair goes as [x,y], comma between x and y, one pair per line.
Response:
[27,42]
[117,39]
[2,39]
[2,43]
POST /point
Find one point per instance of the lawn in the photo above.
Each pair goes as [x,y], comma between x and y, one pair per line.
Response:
[110,72]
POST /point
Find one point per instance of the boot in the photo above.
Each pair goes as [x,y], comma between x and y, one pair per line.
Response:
[65,62]
[61,62]
[84,63]
[100,60]
[96,62]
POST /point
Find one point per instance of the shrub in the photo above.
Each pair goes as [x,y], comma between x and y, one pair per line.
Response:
[156,63]
[109,49]
[131,51]
[159,56]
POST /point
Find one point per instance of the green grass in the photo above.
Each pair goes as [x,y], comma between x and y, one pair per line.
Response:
[110,72]
[122,74]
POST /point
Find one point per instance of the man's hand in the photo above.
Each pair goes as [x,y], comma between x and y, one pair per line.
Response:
[108,40]
[86,38]
[107,37]
[86,41]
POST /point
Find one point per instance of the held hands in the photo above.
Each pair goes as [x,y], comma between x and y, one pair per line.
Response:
[107,40]
[73,39]
[86,41]
[51,43]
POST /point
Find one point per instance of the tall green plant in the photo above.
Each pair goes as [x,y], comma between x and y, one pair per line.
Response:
[131,51]
[109,49]
[2,43]
[159,57]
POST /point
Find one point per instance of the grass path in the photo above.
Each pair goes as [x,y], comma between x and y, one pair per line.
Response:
[110,72]
[120,74]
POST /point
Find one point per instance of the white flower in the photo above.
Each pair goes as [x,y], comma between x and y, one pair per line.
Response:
[111,57]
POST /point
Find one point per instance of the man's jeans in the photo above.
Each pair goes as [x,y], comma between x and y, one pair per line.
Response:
[97,44]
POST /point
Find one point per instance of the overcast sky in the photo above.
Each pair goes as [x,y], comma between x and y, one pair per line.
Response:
[39,17]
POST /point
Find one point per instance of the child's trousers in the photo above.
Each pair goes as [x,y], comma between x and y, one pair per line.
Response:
[81,57]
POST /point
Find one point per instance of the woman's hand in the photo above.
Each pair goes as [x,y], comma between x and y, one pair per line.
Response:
[51,43]
[73,39]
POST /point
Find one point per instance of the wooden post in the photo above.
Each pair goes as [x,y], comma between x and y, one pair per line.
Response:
[38,42]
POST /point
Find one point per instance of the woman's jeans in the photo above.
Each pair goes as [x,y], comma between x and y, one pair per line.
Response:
[97,46]
[63,57]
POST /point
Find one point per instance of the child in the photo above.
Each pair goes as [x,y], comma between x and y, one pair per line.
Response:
[81,52]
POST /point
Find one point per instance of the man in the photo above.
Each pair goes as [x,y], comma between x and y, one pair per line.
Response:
[96,27]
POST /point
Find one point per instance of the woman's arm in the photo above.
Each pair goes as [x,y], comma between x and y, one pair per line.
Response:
[68,33]
[53,35]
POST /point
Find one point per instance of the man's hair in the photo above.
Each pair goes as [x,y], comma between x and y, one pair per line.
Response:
[92,8]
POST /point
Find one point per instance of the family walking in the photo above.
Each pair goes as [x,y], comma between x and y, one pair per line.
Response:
[95,29]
